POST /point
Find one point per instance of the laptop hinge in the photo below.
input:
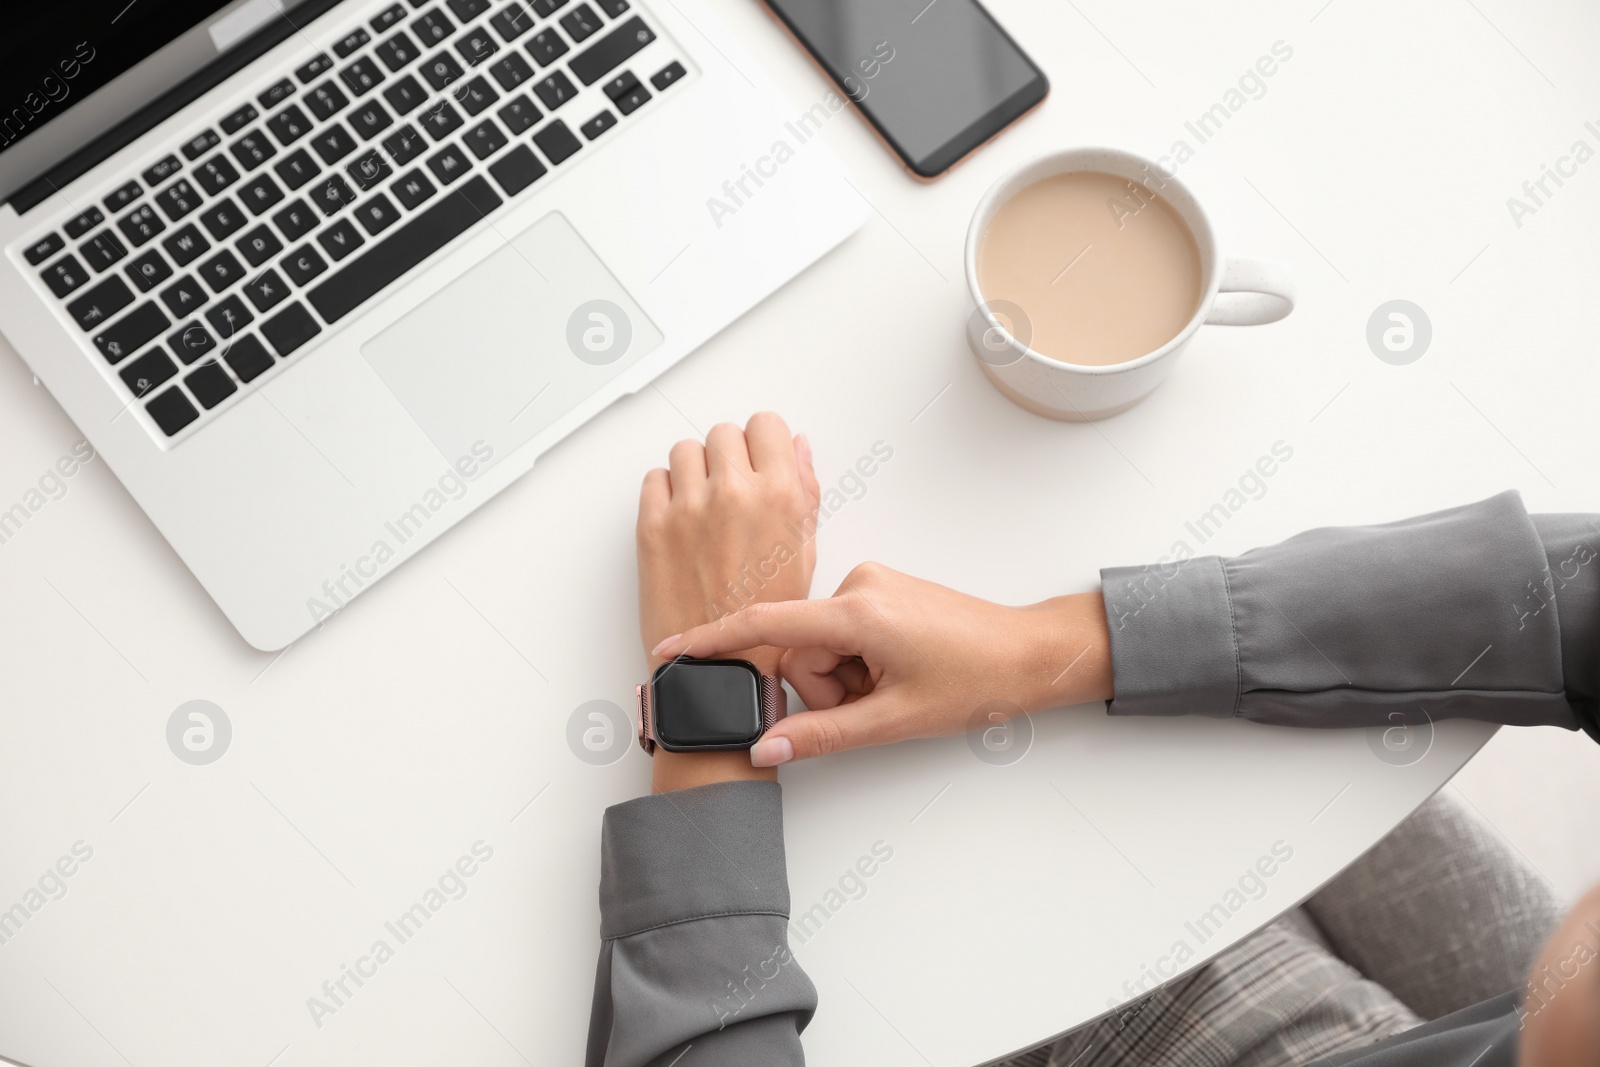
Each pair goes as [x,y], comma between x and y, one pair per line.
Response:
[227,64]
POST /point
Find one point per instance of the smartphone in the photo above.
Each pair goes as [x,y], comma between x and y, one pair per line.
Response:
[936,80]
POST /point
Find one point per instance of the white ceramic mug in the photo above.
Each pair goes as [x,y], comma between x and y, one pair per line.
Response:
[1264,292]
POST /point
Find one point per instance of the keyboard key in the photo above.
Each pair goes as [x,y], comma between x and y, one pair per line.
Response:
[362,76]
[474,96]
[516,170]
[484,139]
[476,45]
[377,214]
[369,169]
[621,85]
[289,125]
[325,101]
[511,22]
[411,243]
[259,245]
[141,224]
[102,250]
[123,195]
[229,317]
[442,70]
[190,342]
[259,193]
[297,168]
[266,290]
[330,193]
[433,27]
[397,52]
[132,332]
[352,41]
[178,199]
[392,15]
[670,74]
[276,93]
[239,119]
[511,71]
[412,188]
[598,125]
[555,89]
[185,245]
[611,51]
[333,143]
[449,165]
[44,248]
[519,114]
[79,225]
[546,47]
[249,358]
[222,219]
[369,120]
[441,120]
[557,142]
[405,95]
[296,220]
[404,145]
[303,264]
[148,271]
[630,99]
[467,10]
[581,23]
[317,64]
[215,174]
[184,297]
[340,239]
[614,8]
[200,144]
[221,270]
[100,303]
[252,150]
[148,371]
[162,170]
[290,328]
[172,411]
[546,8]
[210,384]
[64,275]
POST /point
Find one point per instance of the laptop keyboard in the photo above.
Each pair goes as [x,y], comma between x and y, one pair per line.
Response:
[233,251]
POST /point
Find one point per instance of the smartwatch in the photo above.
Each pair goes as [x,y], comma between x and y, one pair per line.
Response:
[707,705]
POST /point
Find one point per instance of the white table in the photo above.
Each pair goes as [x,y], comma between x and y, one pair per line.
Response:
[1020,898]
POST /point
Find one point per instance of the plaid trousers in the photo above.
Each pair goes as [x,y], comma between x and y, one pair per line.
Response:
[1439,915]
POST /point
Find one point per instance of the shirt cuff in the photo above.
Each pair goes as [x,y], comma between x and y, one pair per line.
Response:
[691,854]
[1173,650]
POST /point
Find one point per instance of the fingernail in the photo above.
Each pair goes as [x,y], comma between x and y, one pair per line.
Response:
[666,643]
[771,751]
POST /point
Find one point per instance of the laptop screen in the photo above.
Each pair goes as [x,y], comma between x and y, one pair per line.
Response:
[71,70]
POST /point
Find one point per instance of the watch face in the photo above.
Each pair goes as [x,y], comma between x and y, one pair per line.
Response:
[711,703]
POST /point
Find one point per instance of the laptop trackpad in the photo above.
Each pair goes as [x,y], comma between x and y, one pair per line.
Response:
[513,344]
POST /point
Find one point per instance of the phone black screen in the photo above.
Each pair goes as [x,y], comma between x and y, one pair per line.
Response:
[935,79]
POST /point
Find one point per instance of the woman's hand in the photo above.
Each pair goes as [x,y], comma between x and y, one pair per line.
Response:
[731,524]
[891,657]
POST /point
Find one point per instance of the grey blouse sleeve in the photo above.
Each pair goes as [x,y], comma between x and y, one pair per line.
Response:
[1480,612]
[694,912]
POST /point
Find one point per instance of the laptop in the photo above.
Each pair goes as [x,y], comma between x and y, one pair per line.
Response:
[319,277]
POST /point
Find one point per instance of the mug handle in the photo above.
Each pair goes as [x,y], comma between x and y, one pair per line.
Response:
[1266,289]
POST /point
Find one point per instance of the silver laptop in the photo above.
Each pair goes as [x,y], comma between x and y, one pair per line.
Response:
[319,278]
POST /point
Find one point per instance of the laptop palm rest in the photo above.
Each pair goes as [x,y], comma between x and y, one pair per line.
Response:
[513,344]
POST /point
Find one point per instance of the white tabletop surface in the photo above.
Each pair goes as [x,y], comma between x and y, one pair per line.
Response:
[1019,899]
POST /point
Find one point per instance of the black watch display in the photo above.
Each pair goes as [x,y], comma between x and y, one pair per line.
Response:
[706,705]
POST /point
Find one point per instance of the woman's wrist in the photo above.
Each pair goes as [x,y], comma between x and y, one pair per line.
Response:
[685,770]
[1065,650]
